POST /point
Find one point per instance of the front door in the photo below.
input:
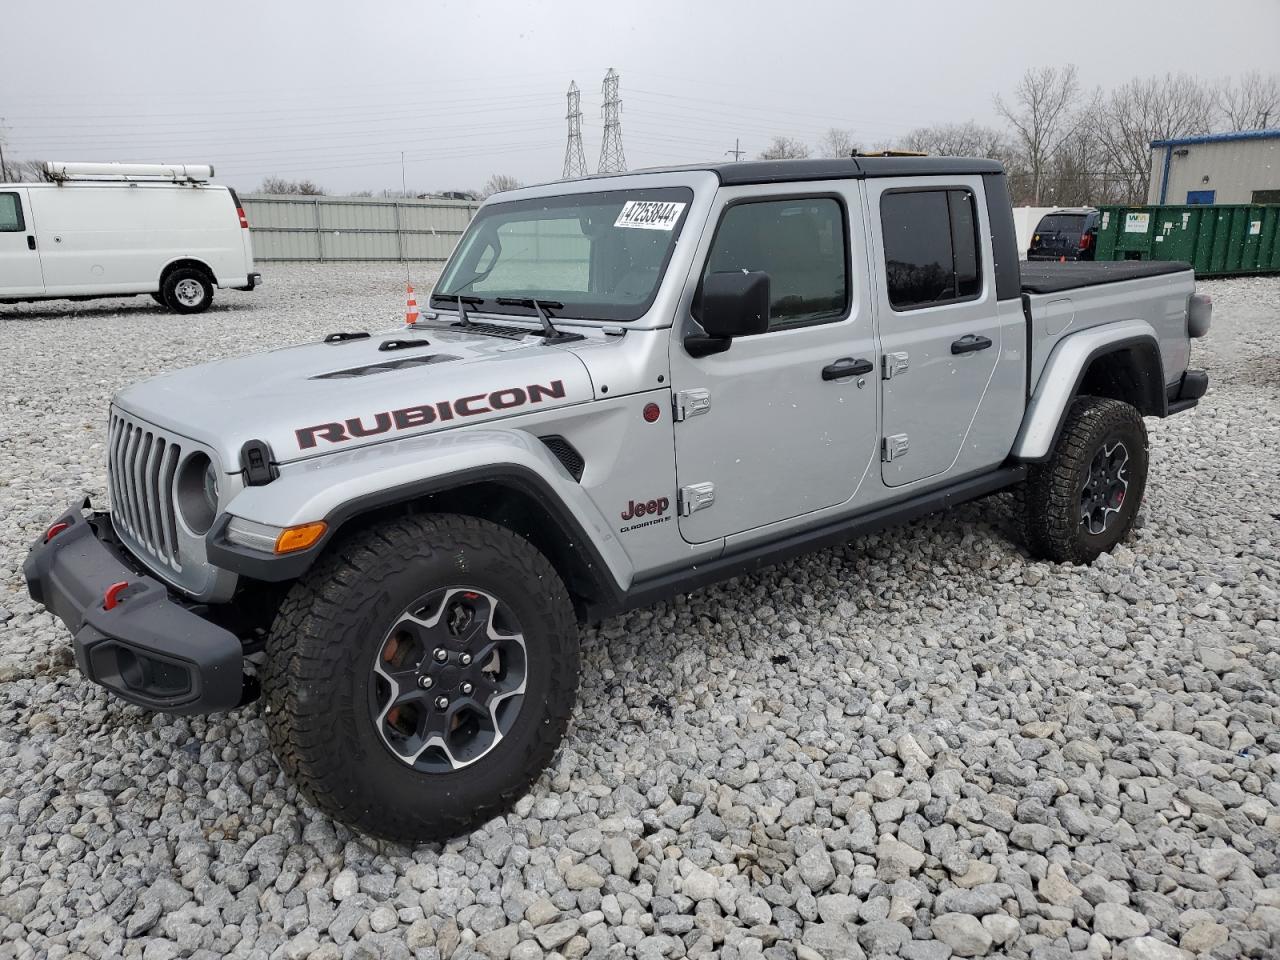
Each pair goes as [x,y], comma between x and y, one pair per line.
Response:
[778,425]
[19,259]
[939,328]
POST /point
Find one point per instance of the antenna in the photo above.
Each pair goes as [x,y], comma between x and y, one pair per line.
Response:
[575,162]
[612,159]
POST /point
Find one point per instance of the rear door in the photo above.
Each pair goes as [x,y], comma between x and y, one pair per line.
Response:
[20,274]
[940,332]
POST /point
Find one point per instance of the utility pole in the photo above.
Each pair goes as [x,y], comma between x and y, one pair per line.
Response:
[737,150]
[4,171]
[575,162]
[612,159]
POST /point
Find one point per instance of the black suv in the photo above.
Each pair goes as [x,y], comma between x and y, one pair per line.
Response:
[1067,234]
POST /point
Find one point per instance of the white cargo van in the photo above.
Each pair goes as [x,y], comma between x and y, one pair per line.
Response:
[112,229]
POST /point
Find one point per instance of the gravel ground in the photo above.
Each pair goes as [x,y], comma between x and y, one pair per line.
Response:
[921,745]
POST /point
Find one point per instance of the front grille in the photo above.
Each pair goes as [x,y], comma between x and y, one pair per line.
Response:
[141,470]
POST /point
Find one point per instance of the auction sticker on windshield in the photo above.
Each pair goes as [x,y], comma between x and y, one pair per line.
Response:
[649,214]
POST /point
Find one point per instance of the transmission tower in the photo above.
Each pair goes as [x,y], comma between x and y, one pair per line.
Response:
[612,159]
[575,161]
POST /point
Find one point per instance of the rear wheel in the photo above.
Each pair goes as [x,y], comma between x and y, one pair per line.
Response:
[186,290]
[1085,499]
[422,675]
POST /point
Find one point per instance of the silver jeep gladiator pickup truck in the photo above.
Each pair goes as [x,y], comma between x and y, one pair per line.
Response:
[624,388]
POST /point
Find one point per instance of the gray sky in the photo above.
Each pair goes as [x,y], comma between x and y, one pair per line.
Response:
[334,91]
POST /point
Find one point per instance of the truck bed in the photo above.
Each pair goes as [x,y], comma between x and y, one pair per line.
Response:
[1051,276]
[1066,298]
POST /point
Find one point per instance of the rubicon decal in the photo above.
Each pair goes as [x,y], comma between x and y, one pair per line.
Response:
[654,509]
[409,418]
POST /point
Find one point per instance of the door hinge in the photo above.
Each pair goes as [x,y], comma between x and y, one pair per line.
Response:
[691,403]
[695,497]
[893,447]
[892,364]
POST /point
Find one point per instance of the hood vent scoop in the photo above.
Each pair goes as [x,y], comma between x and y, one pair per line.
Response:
[494,330]
[386,367]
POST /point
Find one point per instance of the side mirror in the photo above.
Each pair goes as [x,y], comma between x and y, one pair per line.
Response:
[733,304]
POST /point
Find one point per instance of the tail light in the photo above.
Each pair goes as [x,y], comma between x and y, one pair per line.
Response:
[244,221]
[1086,240]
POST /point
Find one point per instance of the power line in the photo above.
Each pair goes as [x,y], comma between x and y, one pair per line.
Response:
[575,161]
[612,159]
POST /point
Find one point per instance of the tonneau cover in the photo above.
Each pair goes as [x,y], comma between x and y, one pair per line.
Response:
[1054,277]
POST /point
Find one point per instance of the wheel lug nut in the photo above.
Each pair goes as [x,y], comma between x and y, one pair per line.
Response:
[442,702]
[466,659]
[441,655]
[467,688]
[426,683]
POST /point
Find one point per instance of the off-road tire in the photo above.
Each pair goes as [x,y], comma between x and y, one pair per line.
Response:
[327,635]
[175,287]
[1051,498]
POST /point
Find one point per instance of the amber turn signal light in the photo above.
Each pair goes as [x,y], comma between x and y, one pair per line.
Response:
[298,538]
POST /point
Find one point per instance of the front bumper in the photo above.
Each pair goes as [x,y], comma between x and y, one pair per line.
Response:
[143,644]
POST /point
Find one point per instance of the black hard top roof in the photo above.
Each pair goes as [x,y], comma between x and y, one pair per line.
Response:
[841,168]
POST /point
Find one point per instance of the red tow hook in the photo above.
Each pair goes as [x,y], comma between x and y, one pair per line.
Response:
[56,529]
[111,598]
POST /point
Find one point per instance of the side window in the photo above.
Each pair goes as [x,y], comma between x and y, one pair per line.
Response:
[800,244]
[930,247]
[11,214]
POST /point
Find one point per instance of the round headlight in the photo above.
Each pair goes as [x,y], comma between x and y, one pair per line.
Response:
[211,486]
[197,493]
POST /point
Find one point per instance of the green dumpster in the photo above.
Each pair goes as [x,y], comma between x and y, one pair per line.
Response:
[1216,240]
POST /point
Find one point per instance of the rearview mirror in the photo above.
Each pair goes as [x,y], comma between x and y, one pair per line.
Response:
[733,304]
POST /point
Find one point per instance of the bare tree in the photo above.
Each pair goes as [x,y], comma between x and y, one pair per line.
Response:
[785,148]
[837,143]
[23,171]
[1250,103]
[968,139]
[1075,177]
[1128,118]
[498,183]
[279,185]
[1041,116]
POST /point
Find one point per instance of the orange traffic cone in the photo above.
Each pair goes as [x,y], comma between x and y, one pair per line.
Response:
[411,309]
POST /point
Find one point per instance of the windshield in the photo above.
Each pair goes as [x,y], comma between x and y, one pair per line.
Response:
[1062,223]
[600,256]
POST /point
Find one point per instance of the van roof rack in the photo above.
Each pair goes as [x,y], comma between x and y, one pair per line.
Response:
[59,170]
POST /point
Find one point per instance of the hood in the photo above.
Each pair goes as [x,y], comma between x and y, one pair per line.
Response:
[318,398]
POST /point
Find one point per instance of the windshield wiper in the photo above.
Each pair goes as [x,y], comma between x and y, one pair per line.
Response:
[462,301]
[542,306]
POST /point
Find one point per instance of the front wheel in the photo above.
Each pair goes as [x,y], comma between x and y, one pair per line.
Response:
[421,676]
[1084,499]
